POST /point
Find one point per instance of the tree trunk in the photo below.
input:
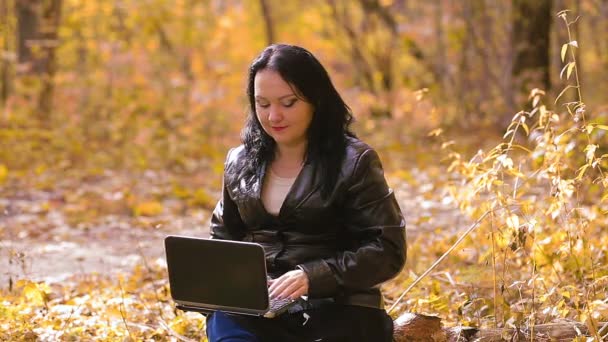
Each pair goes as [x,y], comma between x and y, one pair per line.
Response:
[507,64]
[38,23]
[50,19]
[441,60]
[468,92]
[268,22]
[604,16]
[531,31]
[27,35]
[5,60]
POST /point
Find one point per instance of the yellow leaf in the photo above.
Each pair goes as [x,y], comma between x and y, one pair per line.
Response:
[447,144]
[505,161]
[564,49]
[151,208]
[535,101]
[570,68]
[3,173]
[525,128]
[604,127]
[590,151]
[581,172]
[35,295]
[513,221]
[436,132]
[564,68]
[543,111]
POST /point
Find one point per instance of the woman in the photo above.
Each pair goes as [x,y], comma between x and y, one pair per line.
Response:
[314,196]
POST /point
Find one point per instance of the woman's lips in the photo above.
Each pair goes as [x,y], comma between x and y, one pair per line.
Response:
[278,129]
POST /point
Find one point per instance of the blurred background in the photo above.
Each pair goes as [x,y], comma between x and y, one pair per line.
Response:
[160,84]
[116,116]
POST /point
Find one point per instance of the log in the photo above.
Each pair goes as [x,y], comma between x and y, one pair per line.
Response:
[411,327]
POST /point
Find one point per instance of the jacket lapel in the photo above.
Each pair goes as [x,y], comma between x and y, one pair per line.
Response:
[307,182]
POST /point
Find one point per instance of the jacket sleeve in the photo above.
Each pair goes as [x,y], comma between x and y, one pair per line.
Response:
[375,225]
[226,222]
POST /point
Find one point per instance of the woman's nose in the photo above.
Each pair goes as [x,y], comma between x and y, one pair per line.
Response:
[274,114]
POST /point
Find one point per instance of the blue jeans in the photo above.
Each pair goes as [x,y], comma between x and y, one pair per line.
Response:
[222,327]
[332,323]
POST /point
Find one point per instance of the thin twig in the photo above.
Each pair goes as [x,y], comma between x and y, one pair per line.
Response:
[467,232]
[123,313]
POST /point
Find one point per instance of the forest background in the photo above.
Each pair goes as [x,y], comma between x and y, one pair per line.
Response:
[115,118]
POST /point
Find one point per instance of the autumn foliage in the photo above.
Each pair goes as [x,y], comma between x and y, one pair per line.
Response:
[117,125]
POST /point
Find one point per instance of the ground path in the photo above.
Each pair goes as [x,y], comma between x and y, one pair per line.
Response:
[85,226]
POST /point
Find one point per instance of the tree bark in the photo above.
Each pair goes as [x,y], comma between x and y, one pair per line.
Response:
[5,60]
[604,14]
[268,22]
[531,32]
[51,16]
[441,60]
[37,26]
[27,35]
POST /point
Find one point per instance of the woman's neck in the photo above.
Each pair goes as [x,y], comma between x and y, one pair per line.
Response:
[288,160]
[291,155]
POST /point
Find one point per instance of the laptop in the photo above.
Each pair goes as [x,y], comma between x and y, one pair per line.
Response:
[207,275]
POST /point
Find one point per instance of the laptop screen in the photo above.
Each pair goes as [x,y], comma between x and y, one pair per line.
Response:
[217,273]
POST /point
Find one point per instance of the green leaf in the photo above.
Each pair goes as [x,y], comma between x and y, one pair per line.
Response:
[564,50]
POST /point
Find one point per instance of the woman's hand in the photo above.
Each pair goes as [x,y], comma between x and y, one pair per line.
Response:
[292,284]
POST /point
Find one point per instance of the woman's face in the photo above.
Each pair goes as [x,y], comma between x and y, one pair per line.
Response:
[283,115]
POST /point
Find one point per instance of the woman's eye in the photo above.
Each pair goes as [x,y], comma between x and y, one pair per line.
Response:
[290,103]
[263,105]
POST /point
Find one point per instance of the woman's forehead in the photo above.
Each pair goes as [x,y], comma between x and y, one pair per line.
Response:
[270,84]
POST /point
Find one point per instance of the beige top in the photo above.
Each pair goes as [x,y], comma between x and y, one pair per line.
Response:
[274,191]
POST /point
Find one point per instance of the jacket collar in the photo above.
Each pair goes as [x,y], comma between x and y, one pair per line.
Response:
[307,182]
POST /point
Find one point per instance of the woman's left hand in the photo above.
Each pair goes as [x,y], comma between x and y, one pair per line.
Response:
[292,284]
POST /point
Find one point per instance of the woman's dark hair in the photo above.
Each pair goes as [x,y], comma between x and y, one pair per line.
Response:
[331,117]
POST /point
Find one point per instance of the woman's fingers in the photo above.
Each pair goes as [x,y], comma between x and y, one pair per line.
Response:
[279,286]
[291,291]
[292,284]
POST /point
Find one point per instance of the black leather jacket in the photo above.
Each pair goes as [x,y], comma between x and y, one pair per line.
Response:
[347,243]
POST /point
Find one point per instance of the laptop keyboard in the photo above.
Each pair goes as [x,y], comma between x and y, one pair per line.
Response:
[278,304]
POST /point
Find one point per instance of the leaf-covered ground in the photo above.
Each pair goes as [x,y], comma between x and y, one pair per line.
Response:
[82,257]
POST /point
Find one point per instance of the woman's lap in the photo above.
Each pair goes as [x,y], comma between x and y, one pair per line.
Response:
[222,327]
[330,323]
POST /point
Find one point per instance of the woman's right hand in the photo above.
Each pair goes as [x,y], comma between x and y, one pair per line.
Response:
[292,284]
